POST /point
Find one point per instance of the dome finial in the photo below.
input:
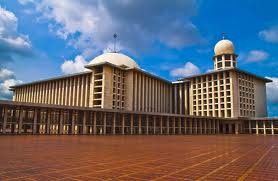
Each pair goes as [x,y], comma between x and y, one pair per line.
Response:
[115,41]
[223,35]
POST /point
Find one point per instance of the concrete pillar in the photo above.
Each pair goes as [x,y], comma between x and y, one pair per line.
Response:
[167,124]
[257,127]
[218,126]
[224,128]
[5,119]
[230,129]
[161,125]
[179,125]
[61,125]
[147,125]
[104,123]
[201,126]
[48,122]
[209,126]
[264,128]
[73,123]
[236,128]
[95,123]
[205,126]
[84,120]
[272,127]
[213,126]
[140,124]
[250,129]
[196,126]
[123,124]
[131,123]
[21,116]
[114,124]
[174,125]
[185,126]
[154,125]
[190,126]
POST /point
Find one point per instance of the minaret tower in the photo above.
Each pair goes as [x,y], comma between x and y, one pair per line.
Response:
[225,56]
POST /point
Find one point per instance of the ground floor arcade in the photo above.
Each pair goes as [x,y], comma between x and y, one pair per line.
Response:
[22,118]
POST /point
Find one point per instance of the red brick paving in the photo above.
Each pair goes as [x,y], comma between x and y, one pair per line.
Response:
[71,158]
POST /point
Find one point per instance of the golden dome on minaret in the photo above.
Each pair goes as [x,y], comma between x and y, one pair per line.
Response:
[224,47]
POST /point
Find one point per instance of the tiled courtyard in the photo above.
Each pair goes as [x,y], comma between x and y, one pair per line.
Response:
[222,157]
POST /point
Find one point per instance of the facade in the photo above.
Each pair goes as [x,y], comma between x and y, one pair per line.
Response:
[116,96]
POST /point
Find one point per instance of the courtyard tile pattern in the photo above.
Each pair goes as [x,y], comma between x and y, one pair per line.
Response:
[208,157]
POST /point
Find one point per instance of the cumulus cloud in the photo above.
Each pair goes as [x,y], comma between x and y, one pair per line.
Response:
[12,43]
[74,66]
[256,56]
[7,79]
[5,74]
[139,24]
[188,70]
[272,90]
[270,35]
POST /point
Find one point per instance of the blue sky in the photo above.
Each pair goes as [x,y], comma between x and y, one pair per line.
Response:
[45,38]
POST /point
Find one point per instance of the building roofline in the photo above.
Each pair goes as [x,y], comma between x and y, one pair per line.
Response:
[135,68]
[223,70]
[50,79]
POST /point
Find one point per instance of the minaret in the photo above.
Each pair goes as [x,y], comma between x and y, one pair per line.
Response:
[225,56]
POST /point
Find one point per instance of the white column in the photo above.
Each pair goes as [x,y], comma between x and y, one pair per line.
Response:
[131,123]
[61,122]
[272,128]
[257,127]
[123,124]
[95,123]
[84,128]
[21,114]
[35,121]
[167,124]
[264,127]
[5,119]
[139,124]
[114,124]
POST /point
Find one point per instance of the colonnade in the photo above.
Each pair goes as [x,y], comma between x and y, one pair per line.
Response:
[36,120]
[27,118]
[262,126]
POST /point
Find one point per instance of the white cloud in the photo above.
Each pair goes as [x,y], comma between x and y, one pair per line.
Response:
[272,90]
[5,74]
[11,42]
[270,35]
[139,24]
[74,66]
[24,2]
[256,56]
[7,79]
[5,93]
[188,70]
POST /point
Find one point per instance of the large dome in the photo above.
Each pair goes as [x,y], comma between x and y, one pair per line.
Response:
[224,47]
[117,59]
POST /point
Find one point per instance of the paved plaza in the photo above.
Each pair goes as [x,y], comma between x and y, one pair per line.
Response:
[215,157]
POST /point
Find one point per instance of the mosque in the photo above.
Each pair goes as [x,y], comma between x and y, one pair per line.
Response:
[116,96]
